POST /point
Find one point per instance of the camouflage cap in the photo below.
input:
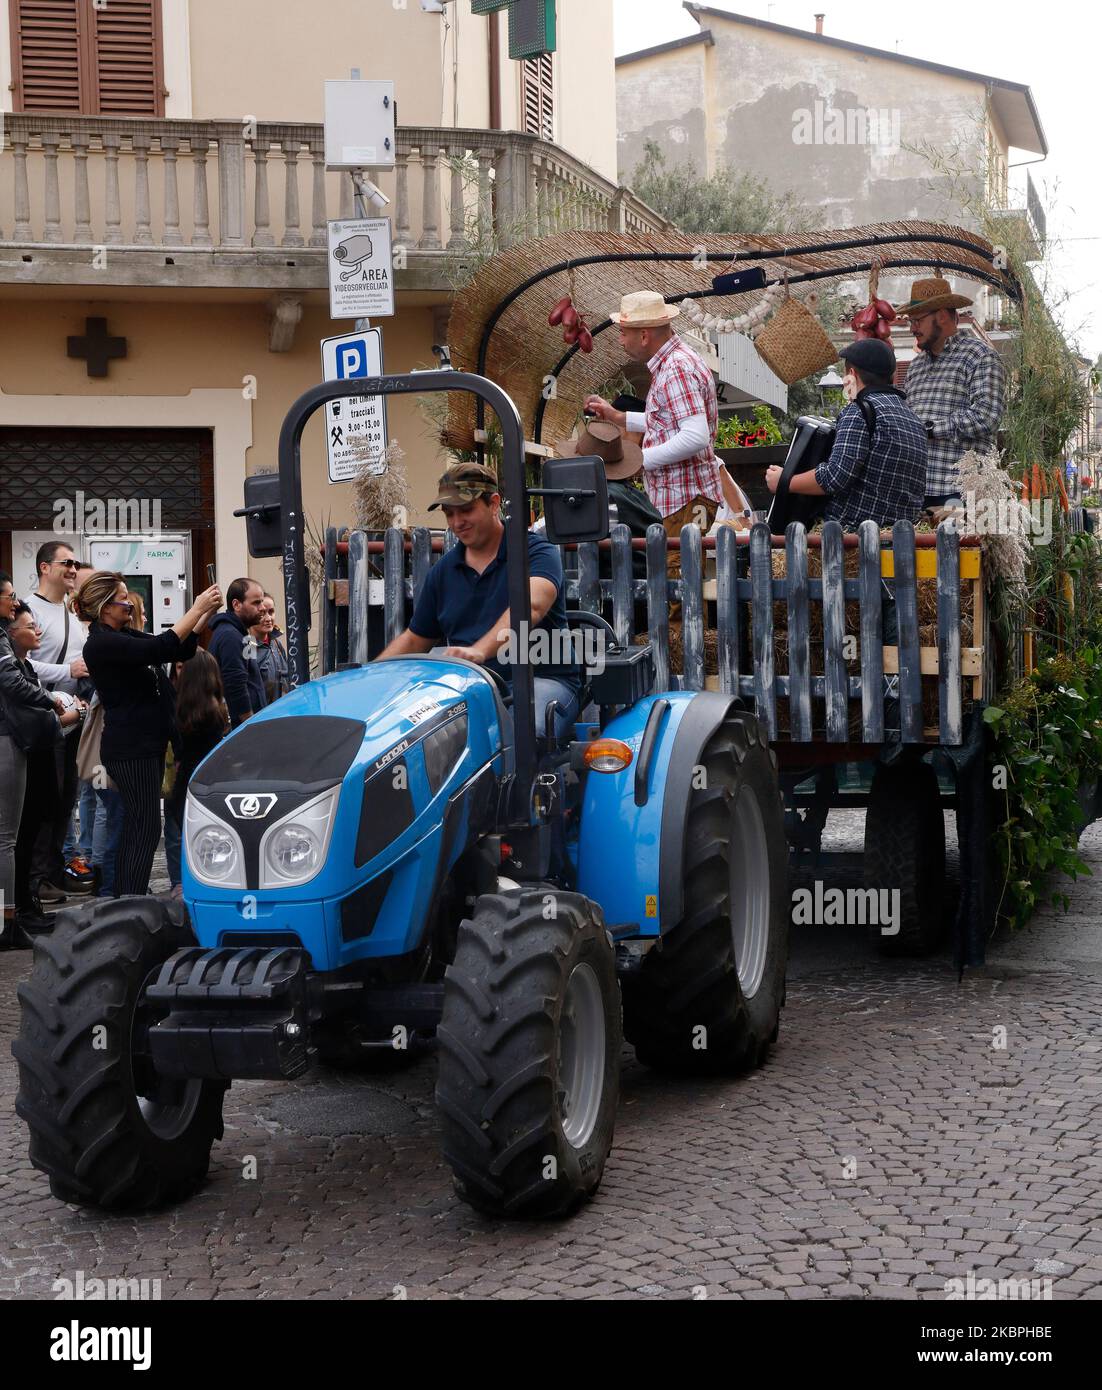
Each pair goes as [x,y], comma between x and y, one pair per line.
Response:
[464,483]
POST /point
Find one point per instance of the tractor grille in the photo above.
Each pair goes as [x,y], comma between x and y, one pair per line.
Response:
[267,939]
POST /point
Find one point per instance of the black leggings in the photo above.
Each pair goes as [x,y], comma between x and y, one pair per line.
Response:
[139,783]
[39,809]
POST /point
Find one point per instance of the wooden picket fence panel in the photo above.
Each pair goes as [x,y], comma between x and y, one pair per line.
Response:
[372,583]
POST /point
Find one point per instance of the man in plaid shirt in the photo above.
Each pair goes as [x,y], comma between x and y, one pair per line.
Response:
[956,386]
[876,475]
[680,471]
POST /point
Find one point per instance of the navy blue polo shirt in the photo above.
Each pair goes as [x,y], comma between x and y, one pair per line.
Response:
[457,605]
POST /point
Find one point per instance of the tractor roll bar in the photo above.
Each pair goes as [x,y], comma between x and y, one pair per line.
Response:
[295,587]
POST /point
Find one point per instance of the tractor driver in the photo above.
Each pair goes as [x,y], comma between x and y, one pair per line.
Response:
[464,601]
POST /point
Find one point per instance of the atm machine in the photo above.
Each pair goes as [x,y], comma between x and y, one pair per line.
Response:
[158,568]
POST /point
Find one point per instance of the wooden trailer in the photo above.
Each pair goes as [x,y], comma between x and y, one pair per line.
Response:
[908,712]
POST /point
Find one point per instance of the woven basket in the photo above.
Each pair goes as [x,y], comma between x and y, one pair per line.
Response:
[793,344]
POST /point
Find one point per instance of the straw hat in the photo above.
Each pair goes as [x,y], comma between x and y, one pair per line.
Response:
[644,309]
[622,459]
[928,295]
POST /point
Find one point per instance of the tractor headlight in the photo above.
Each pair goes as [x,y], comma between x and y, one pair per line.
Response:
[214,851]
[293,850]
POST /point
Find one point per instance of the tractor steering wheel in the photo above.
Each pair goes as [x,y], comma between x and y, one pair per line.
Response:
[582,617]
[502,684]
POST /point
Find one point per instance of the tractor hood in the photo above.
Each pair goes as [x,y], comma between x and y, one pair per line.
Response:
[438,718]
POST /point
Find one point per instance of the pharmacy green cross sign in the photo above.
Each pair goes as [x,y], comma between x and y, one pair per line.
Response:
[531,24]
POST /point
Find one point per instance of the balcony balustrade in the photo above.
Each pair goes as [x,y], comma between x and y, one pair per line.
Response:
[225,202]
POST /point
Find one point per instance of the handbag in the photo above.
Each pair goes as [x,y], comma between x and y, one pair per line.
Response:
[90,766]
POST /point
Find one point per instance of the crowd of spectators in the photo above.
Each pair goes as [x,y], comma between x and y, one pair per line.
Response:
[91,708]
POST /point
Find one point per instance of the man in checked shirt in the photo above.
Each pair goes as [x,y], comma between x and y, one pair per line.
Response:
[680,471]
[876,470]
[955,385]
[873,474]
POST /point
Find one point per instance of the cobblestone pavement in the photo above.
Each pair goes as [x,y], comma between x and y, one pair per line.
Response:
[887,1147]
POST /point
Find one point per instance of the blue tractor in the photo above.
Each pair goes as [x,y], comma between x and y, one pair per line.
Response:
[394,854]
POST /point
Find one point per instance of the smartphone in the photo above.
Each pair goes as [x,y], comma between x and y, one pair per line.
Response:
[210,576]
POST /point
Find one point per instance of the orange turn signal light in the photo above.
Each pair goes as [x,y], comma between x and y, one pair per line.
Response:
[607,755]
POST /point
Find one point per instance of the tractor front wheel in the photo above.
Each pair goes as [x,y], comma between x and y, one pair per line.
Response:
[106,1128]
[530,1054]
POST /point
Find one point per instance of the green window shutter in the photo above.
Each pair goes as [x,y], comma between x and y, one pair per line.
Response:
[489,6]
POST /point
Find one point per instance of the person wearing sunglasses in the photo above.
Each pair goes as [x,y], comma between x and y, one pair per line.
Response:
[138,709]
[59,663]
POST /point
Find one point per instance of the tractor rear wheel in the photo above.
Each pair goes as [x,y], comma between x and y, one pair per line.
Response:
[105,1127]
[707,998]
[530,1053]
[905,851]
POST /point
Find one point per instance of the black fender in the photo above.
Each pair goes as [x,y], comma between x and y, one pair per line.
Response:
[706,712]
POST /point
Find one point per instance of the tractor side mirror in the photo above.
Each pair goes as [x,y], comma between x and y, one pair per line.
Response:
[576,500]
[262,515]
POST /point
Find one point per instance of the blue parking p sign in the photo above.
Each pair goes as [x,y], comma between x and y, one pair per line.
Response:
[351,359]
[355,426]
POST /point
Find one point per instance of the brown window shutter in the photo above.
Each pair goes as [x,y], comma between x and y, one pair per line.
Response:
[50,55]
[537,90]
[126,42]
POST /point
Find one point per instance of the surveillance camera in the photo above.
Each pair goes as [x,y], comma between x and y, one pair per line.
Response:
[370,191]
[432,7]
[375,196]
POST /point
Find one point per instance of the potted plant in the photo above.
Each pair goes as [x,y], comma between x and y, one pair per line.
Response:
[748,446]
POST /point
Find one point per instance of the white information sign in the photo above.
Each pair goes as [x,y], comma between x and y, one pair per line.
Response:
[353,423]
[361,270]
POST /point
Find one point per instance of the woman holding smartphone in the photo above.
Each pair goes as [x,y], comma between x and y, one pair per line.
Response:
[137,709]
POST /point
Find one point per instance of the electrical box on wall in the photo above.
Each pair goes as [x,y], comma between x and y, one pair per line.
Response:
[359,125]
